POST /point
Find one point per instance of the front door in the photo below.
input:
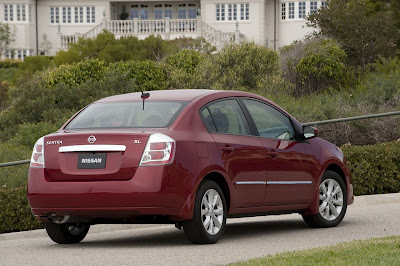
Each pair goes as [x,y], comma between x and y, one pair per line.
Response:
[290,165]
[242,155]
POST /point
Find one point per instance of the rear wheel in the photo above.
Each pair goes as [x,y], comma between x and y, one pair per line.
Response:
[67,233]
[332,202]
[209,218]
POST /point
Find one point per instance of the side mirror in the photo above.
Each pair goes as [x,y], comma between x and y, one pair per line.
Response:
[310,132]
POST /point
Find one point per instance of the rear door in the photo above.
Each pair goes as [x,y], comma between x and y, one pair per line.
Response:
[290,163]
[242,154]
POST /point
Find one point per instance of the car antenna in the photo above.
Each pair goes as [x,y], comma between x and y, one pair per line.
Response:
[144,96]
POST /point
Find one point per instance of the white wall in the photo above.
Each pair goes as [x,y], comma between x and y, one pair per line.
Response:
[254,28]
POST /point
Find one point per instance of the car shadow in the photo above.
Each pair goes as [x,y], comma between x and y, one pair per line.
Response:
[172,237]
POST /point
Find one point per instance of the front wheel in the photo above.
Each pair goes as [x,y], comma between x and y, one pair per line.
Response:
[67,233]
[209,217]
[332,202]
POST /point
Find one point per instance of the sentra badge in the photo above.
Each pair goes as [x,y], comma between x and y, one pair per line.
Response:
[52,142]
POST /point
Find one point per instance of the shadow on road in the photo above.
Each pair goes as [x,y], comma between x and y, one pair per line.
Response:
[173,237]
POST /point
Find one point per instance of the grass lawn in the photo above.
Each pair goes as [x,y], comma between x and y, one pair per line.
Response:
[379,251]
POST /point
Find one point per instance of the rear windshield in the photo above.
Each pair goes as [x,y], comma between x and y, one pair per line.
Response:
[156,114]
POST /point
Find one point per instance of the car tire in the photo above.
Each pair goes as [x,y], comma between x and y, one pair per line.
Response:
[332,202]
[66,233]
[209,217]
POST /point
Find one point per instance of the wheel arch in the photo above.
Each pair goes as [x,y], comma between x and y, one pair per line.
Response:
[223,184]
[337,169]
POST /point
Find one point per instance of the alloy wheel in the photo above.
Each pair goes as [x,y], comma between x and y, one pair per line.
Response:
[331,199]
[212,211]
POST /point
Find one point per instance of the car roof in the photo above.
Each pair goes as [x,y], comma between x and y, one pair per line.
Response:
[161,95]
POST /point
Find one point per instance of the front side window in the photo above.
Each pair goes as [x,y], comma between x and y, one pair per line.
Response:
[156,114]
[270,122]
[226,117]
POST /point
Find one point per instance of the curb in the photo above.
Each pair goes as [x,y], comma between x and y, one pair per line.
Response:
[366,200]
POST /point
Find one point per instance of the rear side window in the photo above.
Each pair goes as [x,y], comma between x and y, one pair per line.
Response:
[270,122]
[225,117]
[156,114]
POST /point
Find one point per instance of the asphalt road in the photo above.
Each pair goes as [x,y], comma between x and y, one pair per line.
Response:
[245,238]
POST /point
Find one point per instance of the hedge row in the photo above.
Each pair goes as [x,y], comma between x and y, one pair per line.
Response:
[15,214]
[7,63]
[375,169]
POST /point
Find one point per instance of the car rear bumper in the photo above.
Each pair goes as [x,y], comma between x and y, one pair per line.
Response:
[150,192]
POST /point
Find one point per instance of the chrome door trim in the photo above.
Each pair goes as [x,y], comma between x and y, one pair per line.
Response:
[77,148]
[288,182]
[251,183]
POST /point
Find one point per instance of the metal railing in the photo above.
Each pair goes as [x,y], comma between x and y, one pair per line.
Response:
[323,122]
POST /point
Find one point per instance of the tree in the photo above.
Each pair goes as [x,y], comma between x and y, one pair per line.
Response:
[364,28]
[6,36]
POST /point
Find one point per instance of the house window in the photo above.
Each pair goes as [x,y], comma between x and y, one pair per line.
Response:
[30,12]
[158,14]
[64,9]
[88,17]
[19,55]
[218,13]
[18,13]
[23,13]
[57,15]
[11,9]
[283,13]
[93,14]
[192,11]
[144,12]
[6,12]
[234,12]
[69,14]
[168,11]
[230,12]
[247,11]
[52,14]
[313,7]
[81,14]
[323,4]
[291,10]
[222,12]
[182,11]
[76,15]
[302,9]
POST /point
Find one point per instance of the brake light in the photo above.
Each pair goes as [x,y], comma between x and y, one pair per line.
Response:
[160,150]
[37,159]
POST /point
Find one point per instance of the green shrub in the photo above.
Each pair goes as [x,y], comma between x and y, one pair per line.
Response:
[8,74]
[375,168]
[15,214]
[33,64]
[29,133]
[8,63]
[13,176]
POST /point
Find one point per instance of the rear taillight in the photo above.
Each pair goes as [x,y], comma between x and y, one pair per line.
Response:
[37,159]
[160,150]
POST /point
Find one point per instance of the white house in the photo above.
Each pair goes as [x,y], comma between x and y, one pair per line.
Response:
[46,26]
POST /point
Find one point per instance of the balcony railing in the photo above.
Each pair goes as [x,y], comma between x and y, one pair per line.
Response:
[167,28]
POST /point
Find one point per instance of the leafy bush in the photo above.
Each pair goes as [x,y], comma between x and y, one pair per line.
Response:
[314,66]
[237,67]
[110,50]
[13,176]
[29,133]
[33,64]
[375,168]
[8,63]
[15,214]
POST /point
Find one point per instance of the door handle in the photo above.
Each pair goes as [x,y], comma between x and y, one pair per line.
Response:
[227,149]
[272,153]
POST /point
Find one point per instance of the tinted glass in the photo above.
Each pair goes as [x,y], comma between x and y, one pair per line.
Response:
[270,122]
[128,114]
[228,118]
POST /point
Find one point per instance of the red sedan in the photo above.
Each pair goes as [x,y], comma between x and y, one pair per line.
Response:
[187,157]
